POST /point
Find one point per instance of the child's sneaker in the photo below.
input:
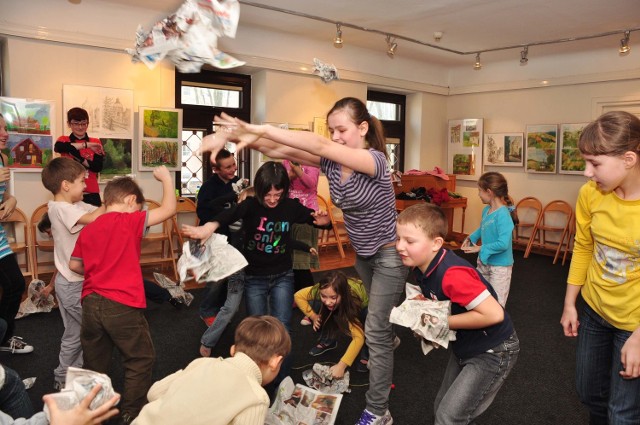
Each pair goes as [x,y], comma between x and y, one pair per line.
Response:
[208,320]
[16,345]
[305,321]
[323,347]
[368,418]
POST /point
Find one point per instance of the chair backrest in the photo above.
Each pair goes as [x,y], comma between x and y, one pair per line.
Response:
[16,228]
[330,237]
[156,246]
[40,243]
[185,213]
[528,211]
[552,227]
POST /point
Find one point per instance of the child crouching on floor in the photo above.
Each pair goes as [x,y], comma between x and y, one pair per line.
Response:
[486,346]
[212,391]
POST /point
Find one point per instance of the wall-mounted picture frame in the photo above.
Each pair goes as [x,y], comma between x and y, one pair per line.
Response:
[464,150]
[110,109]
[542,148]
[30,128]
[571,160]
[159,141]
[504,149]
[118,158]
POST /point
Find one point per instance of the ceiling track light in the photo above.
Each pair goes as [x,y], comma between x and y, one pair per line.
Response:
[523,56]
[624,43]
[391,47]
[337,41]
[477,66]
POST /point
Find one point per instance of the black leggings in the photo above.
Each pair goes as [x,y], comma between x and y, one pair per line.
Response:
[12,283]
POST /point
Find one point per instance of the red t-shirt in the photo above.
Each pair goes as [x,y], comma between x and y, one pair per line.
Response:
[110,251]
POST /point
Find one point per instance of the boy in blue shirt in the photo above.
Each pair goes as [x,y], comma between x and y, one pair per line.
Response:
[487,346]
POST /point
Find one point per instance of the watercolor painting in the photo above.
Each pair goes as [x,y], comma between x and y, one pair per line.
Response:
[464,150]
[504,149]
[161,123]
[542,147]
[117,159]
[28,150]
[154,153]
[571,160]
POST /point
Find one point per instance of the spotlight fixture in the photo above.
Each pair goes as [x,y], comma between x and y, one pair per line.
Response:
[391,47]
[523,56]
[337,41]
[477,66]
[624,43]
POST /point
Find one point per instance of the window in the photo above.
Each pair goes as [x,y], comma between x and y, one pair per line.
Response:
[389,108]
[202,96]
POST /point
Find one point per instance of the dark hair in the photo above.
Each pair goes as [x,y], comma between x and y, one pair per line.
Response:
[77,114]
[348,311]
[358,112]
[44,225]
[59,170]
[121,187]
[261,338]
[611,134]
[427,217]
[223,154]
[497,184]
[270,175]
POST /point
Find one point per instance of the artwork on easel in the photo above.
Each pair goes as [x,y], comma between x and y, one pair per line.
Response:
[160,141]
[464,150]
[30,143]
[110,110]
[542,148]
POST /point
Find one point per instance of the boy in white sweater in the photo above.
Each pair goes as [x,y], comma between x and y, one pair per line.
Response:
[217,391]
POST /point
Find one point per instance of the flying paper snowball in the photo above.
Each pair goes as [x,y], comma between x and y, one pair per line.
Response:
[325,71]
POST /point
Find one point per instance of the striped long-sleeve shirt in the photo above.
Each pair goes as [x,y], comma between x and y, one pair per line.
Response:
[368,204]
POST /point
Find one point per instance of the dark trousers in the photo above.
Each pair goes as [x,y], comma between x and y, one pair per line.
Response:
[105,324]
[12,283]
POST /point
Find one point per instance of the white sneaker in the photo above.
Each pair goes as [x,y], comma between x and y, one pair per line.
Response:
[16,345]
[305,321]
[368,418]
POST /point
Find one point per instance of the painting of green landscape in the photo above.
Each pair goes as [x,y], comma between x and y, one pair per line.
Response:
[571,161]
[161,124]
[542,145]
[117,160]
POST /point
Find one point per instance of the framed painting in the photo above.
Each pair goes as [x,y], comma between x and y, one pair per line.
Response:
[160,132]
[571,161]
[117,160]
[30,128]
[504,149]
[464,150]
[320,127]
[542,148]
[110,110]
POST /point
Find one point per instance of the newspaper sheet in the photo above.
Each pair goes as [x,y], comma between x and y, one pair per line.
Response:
[210,262]
[296,404]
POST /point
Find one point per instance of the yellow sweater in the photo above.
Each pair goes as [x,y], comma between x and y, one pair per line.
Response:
[357,334]
[606,256]
[209,391]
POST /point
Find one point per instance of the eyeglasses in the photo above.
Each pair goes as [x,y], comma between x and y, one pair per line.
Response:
[79,123]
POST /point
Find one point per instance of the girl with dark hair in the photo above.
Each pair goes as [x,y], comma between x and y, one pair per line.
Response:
[336,304]
[355,163]
[495,258]
[267,221]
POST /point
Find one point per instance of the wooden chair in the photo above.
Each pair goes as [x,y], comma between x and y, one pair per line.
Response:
[528,211]
[156,245]
[552,227]
[40,244]
[185,213]
[16,228]
[333,236]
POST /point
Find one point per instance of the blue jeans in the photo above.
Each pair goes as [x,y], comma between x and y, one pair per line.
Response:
[470,385]
[384,277]
[272,295]
[14,400]
[610,398]
[235,289]
[212,302]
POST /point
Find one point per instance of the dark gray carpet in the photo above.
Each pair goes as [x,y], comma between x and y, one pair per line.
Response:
[539,391]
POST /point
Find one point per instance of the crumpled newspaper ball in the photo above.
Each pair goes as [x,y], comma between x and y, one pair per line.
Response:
[325,71]
[320,378]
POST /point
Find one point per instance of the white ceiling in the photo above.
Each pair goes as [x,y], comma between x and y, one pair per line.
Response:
[467,25]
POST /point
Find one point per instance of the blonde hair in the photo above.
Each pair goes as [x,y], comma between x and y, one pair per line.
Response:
[261,338]
[427,217]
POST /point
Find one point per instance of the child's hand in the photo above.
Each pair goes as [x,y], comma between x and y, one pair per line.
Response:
[81,414]
[240,132]
[630,356]
[5,174]
[569,321]
[316,322]
[201,233]
[337,370]
[313,252]
[46,291]
[7,207]
[161,173]
[205,351]
[470,248]
[321,218]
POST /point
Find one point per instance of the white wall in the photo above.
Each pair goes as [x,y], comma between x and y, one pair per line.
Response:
[39,69]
